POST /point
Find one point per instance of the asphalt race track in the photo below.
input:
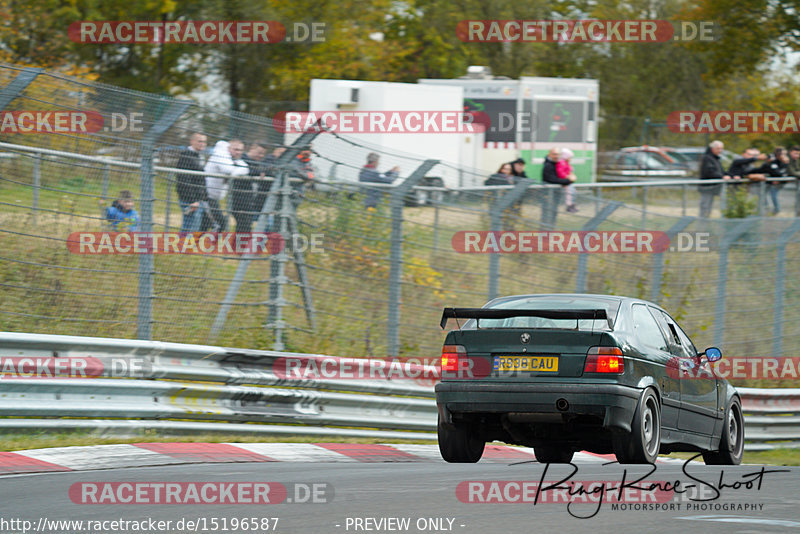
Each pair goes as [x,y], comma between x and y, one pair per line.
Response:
[379,496]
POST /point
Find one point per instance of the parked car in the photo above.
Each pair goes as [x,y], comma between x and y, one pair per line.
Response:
[640,163]
[569,372]
[693,154]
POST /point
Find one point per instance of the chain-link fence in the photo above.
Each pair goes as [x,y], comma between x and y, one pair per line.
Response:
[365,272]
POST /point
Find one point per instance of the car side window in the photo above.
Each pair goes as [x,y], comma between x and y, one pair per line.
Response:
[646,329]
[687,344]
[679,340]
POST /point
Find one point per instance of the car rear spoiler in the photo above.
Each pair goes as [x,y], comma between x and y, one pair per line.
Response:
[489,313]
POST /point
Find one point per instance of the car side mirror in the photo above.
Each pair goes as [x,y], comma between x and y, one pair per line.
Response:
[713,354]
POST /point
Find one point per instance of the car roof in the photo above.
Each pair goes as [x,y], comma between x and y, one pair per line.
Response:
[613,298]
[584,295]
[661,151]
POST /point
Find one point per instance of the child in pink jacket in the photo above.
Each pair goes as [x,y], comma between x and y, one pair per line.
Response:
[564,170]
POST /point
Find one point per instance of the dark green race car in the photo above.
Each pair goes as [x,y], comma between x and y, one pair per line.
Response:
[563,373]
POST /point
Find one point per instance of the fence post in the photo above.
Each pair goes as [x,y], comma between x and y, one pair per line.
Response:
[167,203]
[144,319]
[722,277]
[762,197]
[644,206]
[435,222]
[684,189]
[658,258]
[723,201]
[598,199]
[396,200]
[797,198]
[105,181]
[583,258]
[278,268]
[37,183]
[496,209]
[780,281]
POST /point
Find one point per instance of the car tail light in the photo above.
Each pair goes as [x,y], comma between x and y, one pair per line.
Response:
[450,355]
[604,360]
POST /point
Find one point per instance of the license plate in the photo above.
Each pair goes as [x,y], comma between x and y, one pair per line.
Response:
[541,364]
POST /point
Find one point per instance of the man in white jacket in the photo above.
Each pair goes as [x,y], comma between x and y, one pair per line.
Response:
[226,159]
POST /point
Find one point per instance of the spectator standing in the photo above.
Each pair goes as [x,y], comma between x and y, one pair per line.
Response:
[794,161]
[564,170]
[225,159]
[777,167]
[711,169]
[121,214]
[191,188]
[369,174]
[551,198]
[518,174]
[243,190]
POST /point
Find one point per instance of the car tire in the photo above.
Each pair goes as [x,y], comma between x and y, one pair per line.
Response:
[731,444]
[552,454]
[459,446]
[642,444]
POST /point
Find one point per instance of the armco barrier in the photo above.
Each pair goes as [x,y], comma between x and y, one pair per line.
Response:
[203,389]
[772,418]
[195,389]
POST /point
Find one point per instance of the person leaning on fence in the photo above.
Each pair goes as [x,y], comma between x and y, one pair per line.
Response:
[369,174]
[711,169]
[191,187]
[743,166]
[777,167]
[225,159]
[244,190]
[564,170]
[121,215]
[503,176]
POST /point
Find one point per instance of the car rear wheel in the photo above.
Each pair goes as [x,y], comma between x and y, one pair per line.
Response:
[731,444]
[642,444]
[550,454]
[458,445]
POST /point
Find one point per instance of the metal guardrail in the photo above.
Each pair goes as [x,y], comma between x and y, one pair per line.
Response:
[772,418]
[196,389]
[201,389]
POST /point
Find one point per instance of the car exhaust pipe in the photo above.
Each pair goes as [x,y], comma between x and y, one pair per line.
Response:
[562,405]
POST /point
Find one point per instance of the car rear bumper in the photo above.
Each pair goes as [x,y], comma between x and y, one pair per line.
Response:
[613,403]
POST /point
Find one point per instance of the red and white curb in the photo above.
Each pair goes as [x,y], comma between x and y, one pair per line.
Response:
[155,454]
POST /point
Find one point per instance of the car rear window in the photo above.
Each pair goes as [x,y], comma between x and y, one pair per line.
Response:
[611,306]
